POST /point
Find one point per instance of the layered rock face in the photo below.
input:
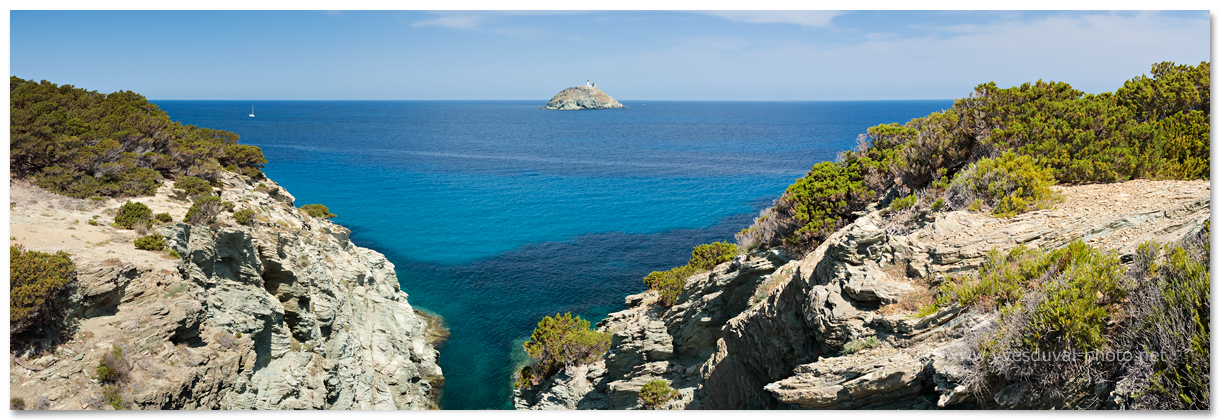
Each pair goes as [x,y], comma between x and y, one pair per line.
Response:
[284,314]
[767,331]
[582,97]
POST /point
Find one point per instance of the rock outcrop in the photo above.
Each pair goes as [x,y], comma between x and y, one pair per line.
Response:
[767,331]
[283,314]
[582,97]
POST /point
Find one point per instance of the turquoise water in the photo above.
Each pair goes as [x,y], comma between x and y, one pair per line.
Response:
[497,213]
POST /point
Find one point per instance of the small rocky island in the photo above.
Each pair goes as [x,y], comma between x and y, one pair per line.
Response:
[582,97]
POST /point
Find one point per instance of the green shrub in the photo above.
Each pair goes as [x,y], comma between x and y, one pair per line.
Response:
[113,396]
[174,253]
[525,377]
[193,186]
[669,283]
[938,204]
[1172,89]
[1178,147]
[154,242]
[16,403]
[704,257]
[37,280]
[228,206]
[94,223]
[559,342]
[1075,307]
[203,211]
[707,256]
[656,393]
[113,368]
[1170,321]
[816,205]
[131,213]
[244,217]
[67,181]
[857,345]
[116,144]
[903,203]
[1011,184]
[1058,302]
[163,217]
[821,202]
[130,181]
[317,210]
[244,159]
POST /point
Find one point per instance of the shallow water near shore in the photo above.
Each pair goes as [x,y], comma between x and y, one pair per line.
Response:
[497,213]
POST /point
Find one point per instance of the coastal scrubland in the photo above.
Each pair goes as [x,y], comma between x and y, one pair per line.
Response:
[83,144]
[247,302]
[999,149]
[1003,152]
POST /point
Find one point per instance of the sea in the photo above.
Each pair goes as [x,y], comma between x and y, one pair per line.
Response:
[498,213]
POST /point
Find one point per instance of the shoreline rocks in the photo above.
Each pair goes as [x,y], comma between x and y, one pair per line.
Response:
[768,332]
[285,313]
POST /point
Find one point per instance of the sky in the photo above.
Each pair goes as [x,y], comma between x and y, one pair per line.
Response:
[632,55]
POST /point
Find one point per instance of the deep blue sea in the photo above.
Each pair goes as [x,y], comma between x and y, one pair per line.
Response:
[497,213]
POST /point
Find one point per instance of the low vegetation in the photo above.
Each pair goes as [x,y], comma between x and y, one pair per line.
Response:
[318,210]
[1061,312]
[669,283]
[1169,319]
[204,211]
[83,143]
[707,256]
[656,393]
[1010,184]
[243,217]
[193,186]
[1002,148]
[856,345]
[559,342]
[163,217]
[132,213]
[154,242]
[114,371]
[38,281]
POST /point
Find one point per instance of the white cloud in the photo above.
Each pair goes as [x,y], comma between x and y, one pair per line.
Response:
[486,22]
[811,18]
[459,22]
[1093,52]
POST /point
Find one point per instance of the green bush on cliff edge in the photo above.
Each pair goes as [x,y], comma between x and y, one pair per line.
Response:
[562,341]
[669,283]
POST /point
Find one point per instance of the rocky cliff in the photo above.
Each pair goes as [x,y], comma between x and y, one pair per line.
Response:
[769,331]
[283,314]
[582,97]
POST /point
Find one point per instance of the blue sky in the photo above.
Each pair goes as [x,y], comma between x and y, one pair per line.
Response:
[633,55]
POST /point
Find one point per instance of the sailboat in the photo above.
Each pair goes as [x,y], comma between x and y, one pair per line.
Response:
[251,110]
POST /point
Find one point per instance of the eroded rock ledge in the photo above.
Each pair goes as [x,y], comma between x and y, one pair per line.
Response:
[766,331]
